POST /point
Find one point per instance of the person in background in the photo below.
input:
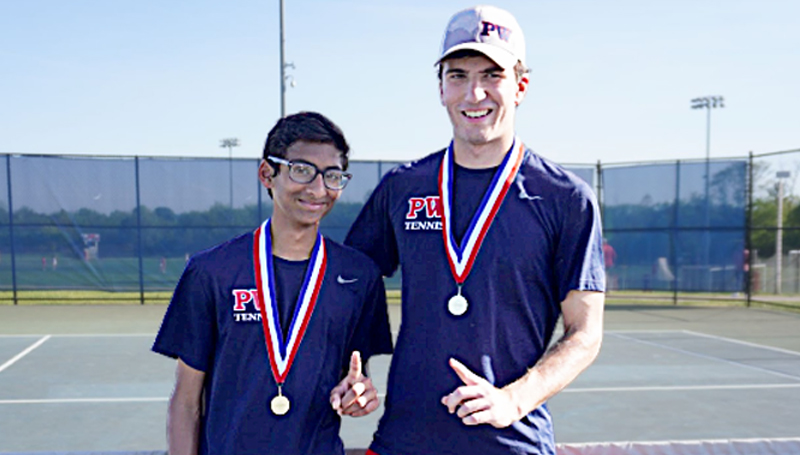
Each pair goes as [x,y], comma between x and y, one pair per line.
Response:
[609,257]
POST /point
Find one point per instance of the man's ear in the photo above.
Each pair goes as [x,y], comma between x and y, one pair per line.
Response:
[522,89]
[266,174]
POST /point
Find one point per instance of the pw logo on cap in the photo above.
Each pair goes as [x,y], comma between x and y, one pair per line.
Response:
[502,32]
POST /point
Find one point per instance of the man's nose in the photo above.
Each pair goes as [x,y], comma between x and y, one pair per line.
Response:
[475,92]
[317,186]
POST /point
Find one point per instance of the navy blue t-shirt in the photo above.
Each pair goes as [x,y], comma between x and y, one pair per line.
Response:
[214,326]
[469,186]
[544,242]
[289,277]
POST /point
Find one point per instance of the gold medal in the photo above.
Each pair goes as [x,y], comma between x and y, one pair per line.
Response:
[457,305]
[281,349]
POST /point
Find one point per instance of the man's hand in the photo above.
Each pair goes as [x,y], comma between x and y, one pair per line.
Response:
[354,395]
[478,401]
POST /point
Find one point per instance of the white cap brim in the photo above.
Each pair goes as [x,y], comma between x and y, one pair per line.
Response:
[500,56]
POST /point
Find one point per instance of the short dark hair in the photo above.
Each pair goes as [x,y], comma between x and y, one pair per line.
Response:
[519,68]
[304,126]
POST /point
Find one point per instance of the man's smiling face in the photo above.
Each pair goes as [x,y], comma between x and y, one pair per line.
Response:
[481,99]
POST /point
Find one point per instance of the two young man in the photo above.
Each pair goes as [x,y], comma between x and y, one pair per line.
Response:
[519,246]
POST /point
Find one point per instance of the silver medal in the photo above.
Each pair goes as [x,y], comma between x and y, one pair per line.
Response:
[279,405]
[457,305]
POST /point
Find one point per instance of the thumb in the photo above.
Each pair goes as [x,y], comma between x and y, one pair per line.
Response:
[464,373]
[355,365]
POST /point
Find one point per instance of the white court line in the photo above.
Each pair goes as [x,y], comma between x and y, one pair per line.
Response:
[383,395]
[24,353]
[708,357]
[83,335]
[703,444]
[84,400]
[680,388]
[746,343]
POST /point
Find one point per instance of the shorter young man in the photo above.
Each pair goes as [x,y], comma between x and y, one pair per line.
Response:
[265,325]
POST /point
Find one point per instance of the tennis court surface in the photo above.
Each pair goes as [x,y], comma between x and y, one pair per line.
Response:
[82,379]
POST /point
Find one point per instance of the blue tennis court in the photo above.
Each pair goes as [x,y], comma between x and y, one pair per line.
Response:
[664,374]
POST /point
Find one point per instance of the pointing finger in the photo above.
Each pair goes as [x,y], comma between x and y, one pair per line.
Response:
[355,365]
[467,376]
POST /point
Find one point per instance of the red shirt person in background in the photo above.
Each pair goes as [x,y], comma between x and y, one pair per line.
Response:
[609,256]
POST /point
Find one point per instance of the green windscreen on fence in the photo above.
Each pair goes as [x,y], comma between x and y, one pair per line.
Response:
[130,223]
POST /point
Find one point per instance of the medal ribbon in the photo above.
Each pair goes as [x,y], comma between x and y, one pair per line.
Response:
[281,350]
[461,258]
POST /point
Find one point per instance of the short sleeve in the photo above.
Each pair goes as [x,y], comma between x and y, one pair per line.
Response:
[189,326]
[372,334]
[579,252]
[372,232]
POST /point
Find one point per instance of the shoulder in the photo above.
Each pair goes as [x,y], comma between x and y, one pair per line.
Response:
[221,255]
[351,259]
[421,168]
[553,177]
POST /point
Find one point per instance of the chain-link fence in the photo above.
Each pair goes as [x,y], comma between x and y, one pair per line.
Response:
[128,224]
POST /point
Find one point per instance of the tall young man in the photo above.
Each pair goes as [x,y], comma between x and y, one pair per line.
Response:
[265,325]
[494,243]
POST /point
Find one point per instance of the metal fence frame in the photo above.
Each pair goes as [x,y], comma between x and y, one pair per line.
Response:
[597,169]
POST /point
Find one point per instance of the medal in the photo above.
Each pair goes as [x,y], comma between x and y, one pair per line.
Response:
[462,257]
[457,305]
[281,350]
[280,404]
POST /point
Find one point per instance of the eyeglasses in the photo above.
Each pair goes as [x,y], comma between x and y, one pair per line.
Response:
[305,172]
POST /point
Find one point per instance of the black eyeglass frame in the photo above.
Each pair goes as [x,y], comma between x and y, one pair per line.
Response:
[346,176]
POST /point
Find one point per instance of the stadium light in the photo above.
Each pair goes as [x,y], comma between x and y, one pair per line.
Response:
[708,103]
[230,143]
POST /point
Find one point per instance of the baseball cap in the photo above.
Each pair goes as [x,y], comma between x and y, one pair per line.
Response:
[487,29]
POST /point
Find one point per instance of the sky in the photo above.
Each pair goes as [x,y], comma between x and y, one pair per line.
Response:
[610,81]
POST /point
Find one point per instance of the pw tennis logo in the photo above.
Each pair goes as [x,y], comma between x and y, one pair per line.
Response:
[424,214]
[245,305]
[502,32]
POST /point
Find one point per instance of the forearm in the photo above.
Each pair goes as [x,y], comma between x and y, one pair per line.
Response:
[183,427]
[183,413]
[560,365]
[567,358]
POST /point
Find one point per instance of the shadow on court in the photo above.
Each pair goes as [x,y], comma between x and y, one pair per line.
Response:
[82,379]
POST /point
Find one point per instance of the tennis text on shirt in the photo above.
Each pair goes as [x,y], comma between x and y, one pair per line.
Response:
[424,214]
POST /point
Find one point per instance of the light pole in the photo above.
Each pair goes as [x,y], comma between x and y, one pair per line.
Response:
[708,103]
[230,143]
[284,65]
[779,234]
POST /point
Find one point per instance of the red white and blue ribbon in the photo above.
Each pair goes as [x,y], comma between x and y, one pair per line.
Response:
[462,257]
[282,350]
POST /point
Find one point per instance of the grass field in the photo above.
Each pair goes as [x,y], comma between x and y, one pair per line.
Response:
[109,274]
